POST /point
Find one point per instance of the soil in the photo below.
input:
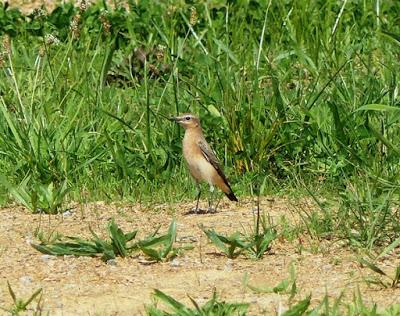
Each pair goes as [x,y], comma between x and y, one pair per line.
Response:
[88,286]
[27,6]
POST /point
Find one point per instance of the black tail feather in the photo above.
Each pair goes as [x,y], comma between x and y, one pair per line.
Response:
[231,196]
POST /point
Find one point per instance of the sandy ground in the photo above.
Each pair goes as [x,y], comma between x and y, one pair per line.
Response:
[27,6]
[88,286]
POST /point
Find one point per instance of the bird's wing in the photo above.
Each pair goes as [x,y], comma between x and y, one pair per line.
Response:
[209,154]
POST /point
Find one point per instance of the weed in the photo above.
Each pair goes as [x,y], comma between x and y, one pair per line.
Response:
[118,245]
[275,96]
[287,286]
[298,309]
[212,307]
[255,244]
[158,248]
[21,305]
[161,248]
[263,235]
[232,246]
[384,279]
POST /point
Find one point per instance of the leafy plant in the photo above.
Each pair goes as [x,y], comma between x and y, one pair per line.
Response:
[287,286]
[385,280]
[38,198]
[213,307]
[358,307]
[300,308]
[118,245]
[325,308]
[264,234]
[161,248]
[256,244]
[21,305]
[232,246]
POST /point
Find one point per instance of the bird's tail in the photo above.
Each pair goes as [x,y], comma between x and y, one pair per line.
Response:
[231,196]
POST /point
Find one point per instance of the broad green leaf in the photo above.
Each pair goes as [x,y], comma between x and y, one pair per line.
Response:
[300,308]
[378,107]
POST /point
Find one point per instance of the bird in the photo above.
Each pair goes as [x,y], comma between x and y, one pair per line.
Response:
[201,160]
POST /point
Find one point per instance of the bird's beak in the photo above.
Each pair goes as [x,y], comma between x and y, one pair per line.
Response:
[174,119]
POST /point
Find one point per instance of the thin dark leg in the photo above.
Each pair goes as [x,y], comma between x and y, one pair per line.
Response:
[198,197]
[210,200]
[216,206]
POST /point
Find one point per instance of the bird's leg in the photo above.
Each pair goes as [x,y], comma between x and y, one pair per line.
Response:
[216,206]
[211,197]
[197,210]
[198,197]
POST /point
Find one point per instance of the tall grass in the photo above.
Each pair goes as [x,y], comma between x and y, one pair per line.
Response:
[285,89]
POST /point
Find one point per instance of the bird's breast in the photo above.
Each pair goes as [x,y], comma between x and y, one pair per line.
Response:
[198,165]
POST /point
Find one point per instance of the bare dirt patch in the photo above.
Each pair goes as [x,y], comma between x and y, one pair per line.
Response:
[28,6]
[81,285]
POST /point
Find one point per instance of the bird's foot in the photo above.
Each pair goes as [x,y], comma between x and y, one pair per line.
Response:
[212,210]
[199,211]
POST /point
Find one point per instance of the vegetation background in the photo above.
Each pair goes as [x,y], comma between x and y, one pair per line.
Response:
[297,97]
[294,96]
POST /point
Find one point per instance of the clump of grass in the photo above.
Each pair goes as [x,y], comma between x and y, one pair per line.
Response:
[161,248]
[38,198]
[263,233]
[232,246]
[286,286]
[382,278]
[21,305]
[255,244]
[119,244]
[212,307]
[156,247]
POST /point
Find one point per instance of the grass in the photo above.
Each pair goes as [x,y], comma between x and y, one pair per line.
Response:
[277,95]
[296,97]
[212,307]
[21,305]
[215,307]
[155,246]
[120,244]
[255,245]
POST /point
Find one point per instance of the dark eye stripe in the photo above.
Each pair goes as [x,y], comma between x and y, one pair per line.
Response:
[187,118]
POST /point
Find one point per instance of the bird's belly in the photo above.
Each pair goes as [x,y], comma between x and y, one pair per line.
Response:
[202,170]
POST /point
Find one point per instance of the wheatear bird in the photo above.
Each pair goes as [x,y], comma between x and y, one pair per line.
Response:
[201,160]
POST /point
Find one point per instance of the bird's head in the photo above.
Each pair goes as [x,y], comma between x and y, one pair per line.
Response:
[187,120]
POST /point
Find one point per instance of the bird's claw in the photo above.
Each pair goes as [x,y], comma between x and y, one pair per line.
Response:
[199,211]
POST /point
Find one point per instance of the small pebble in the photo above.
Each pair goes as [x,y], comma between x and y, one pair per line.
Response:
[112,262]
[46,257]
[228,265]
[26,280]
[67,213]
[175,263]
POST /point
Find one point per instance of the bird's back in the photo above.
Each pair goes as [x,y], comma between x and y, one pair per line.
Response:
[202,162]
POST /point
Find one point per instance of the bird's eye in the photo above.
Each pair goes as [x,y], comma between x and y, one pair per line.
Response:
[187,118]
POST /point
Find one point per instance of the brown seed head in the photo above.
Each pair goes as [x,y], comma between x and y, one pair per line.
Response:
[74,25]
[193,16]
[160,52]
[51,39]
[105,22]
[83,5]
[42,51]
[7,44]
[2,59]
